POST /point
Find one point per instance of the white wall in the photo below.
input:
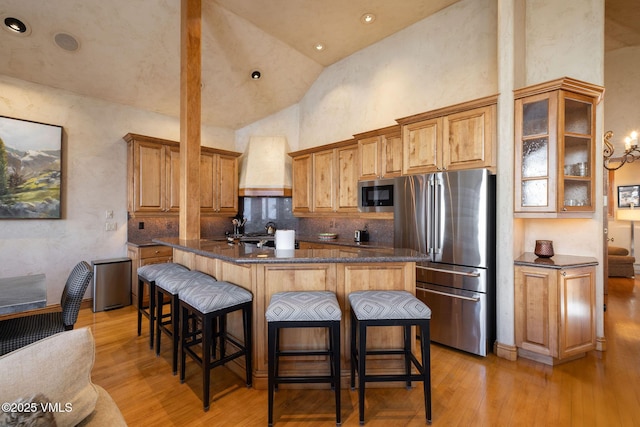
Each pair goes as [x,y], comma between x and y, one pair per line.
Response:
[94,180]
[442,60]
[567,39]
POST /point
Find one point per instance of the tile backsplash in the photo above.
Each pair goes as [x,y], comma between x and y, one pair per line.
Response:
[259,211]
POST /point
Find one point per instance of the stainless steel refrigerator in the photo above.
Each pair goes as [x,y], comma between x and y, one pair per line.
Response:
[451,217]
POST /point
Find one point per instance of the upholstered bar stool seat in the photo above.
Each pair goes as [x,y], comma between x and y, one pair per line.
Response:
[203,334]
[304,309]
[147,275]
[390,308]
[169,286]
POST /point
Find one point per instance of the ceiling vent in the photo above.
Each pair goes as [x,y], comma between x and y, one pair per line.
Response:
[265,168]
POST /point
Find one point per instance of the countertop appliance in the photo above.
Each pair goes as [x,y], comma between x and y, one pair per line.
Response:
[451,217]
[376,196]
[361,236]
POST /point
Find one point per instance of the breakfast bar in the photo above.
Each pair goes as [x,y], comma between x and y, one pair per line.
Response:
[312,267]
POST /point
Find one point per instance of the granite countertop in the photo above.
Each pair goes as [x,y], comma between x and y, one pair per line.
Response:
[556,261]
[244,253]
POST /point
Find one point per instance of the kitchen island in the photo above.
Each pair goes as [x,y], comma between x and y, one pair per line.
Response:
[339,269]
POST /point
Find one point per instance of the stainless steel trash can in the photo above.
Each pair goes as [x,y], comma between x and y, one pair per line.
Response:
[111,283]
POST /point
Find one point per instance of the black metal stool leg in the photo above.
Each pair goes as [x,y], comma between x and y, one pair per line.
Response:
[248,357]
[152,312]
[362,356]
[272,362]
[335,367]
[184,336]
[425,346]
[407,353]
[353,351]
[140,308]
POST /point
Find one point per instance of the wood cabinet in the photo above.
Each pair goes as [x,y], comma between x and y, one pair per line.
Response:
[302,183]
[555,125]
[380,153]
[555,312]
[143,255]
[459,137]
[218,183]
[325,179]
[153,178]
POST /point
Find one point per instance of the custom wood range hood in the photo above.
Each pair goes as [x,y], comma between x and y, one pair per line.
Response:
[265,168]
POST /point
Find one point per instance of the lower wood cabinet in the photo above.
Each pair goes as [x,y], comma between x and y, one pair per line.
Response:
[555,312]
[143,255]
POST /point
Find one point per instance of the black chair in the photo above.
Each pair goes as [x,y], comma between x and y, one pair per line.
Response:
[21,331]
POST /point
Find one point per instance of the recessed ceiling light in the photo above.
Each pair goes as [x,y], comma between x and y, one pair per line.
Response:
[255,75]
[16,25]
[318,46]
[367,18]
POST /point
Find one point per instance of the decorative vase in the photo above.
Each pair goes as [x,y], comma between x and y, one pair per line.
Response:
[544,248]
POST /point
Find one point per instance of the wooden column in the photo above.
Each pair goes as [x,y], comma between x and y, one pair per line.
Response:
[190,118]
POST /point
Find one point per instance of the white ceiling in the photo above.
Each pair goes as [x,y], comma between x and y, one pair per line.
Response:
[129,50]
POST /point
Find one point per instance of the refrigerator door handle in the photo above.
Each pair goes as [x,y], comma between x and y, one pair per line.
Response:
[476,299]
[430,220]
[437,214]
[442,270]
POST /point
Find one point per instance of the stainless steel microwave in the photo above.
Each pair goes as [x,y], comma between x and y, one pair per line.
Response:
[376,196]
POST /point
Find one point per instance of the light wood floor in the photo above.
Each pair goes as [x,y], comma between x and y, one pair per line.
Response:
[602,389]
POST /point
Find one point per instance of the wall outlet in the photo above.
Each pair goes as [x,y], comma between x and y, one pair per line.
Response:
[141,225]
[110,226]
[108,214]
[332,224]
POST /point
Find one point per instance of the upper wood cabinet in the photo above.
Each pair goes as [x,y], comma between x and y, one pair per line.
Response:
[380,153]
[555,149]
[302,183]
[325,179]
[459,137]
[218,182]
[153,177]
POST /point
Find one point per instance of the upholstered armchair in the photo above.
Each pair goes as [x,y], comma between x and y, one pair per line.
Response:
[620,264]
[21,331]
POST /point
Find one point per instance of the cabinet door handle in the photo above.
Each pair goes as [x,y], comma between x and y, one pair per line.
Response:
[564,273]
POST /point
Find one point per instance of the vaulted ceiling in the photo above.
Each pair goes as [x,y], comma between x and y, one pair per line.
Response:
[128,52]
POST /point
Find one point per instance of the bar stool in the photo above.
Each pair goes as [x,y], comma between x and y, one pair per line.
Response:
[389,308]
[169,286]
[147,275]
[203,311]
[304,309]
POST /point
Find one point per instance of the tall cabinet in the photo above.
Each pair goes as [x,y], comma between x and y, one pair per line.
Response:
[555,149]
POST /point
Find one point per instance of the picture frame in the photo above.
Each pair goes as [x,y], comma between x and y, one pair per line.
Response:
[628,194]
[30,169]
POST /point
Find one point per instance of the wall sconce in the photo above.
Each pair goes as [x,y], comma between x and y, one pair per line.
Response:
[631,152]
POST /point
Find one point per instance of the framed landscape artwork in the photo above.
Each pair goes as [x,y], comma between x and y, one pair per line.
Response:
[627,195]
[30,169]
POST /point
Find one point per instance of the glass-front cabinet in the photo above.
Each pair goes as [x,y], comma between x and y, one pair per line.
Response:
[555,149]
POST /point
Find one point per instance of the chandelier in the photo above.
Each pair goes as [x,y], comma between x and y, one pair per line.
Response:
[631,152]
